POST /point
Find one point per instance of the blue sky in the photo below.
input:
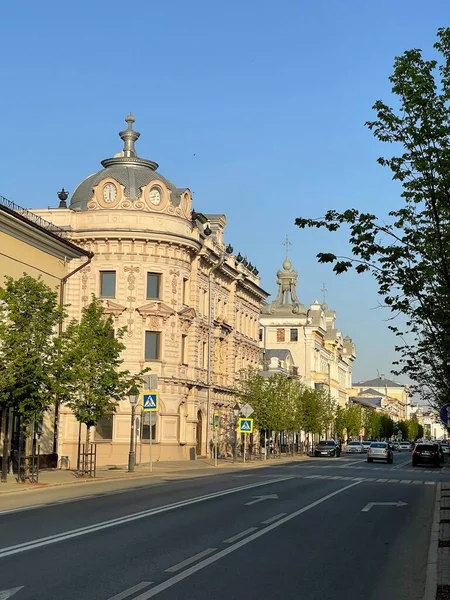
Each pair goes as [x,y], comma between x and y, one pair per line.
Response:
[258,107]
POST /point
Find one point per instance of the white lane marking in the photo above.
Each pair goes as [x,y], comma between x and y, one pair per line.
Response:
[429,483]
[262,498]
[381,480]
[130,591]
[212,559]
[372,504]
[52,539]
[272,519]
[190,560]
[238,536]
[406,462]
[405,480]
[5,594]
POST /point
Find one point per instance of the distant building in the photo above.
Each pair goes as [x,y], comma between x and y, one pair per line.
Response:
[320,355]
[394,396]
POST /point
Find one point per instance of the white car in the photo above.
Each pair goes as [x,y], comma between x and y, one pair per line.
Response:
[366,445]
[355,447]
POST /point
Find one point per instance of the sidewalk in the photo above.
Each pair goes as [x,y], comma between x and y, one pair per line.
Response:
[171,469]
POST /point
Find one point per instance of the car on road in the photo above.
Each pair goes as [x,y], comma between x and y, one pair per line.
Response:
[354,447]
[445,448]
[366,445]
[395,445]
[327,448]
[380,451]
[426,453]
[404,447]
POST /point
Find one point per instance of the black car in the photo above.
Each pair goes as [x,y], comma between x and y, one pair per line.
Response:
[327,448]
[425,453]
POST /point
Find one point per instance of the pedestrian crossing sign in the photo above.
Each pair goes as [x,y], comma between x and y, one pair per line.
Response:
[245,425]
[150,401]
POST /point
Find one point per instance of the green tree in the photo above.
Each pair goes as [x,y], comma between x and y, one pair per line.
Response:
[93,382]
[403,427]
[386,426]
[29,315]
[420,432]
[408,253]
[352,419]
[371,422]
[413,428]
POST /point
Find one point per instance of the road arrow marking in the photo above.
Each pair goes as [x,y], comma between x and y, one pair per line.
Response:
[261,499]
[5,594]
[372,504]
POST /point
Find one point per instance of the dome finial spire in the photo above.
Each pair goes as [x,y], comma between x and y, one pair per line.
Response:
[129,136]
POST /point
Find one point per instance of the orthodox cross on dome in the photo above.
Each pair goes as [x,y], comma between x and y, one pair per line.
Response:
[286,244]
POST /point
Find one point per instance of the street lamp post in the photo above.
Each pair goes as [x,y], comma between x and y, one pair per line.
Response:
[236,412]
[133,397]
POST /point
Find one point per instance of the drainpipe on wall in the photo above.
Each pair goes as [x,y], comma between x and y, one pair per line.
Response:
[210,334]
[60,328]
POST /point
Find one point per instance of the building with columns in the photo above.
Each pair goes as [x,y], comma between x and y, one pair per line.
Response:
[321,356]
[189,304]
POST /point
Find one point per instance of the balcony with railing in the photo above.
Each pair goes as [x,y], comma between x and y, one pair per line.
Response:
[29,216]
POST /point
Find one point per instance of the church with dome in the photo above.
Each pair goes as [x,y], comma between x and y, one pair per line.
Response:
[318,353]
[189,302]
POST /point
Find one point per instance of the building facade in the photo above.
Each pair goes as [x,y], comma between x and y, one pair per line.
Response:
[33,246]
[321,356]
[189,305]
[394,397]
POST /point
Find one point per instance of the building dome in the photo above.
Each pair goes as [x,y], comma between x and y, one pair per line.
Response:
[127,169]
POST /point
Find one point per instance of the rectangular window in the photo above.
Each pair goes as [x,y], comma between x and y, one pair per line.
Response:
[185,292]
[104,428]
[261,334]
[204,354]
[152,345]
[184,349]
[108,284]
[153,285]
[145,427]
[294,335]
[280,335]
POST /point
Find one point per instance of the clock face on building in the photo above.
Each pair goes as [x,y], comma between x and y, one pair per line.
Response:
[155,196]
[109,193]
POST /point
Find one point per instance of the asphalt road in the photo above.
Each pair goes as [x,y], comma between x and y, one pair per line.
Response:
[307,529]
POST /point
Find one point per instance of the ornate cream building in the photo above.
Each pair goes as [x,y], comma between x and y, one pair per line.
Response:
[190,306]
[321,356]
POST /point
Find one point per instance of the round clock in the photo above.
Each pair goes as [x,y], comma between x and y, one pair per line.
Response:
[109,193]
[155,196]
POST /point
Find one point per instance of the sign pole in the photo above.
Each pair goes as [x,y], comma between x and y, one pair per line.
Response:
[215,449]
[245,445]
[151,444]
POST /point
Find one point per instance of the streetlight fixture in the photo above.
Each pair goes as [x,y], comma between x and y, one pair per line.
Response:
[133,397]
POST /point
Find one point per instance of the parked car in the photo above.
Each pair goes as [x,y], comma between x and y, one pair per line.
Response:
[404,447]
[445,448]
[426,453]
[380,451]
[395,445]
[327,448]
[366,445]
[355,447]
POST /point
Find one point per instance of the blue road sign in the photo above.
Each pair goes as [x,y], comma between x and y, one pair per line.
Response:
[444,414]
[150,401]
[245,425]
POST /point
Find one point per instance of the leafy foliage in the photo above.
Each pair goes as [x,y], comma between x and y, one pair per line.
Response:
[91,381]
[409,255]
[29,315]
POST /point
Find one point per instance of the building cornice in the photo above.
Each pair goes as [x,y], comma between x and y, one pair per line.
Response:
[29,232]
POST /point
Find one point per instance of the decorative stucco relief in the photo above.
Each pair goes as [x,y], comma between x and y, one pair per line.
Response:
[131,299]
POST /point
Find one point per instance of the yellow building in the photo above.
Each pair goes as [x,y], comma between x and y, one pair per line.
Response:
[323,358]
[32,245]
[190,306]
[395,397]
